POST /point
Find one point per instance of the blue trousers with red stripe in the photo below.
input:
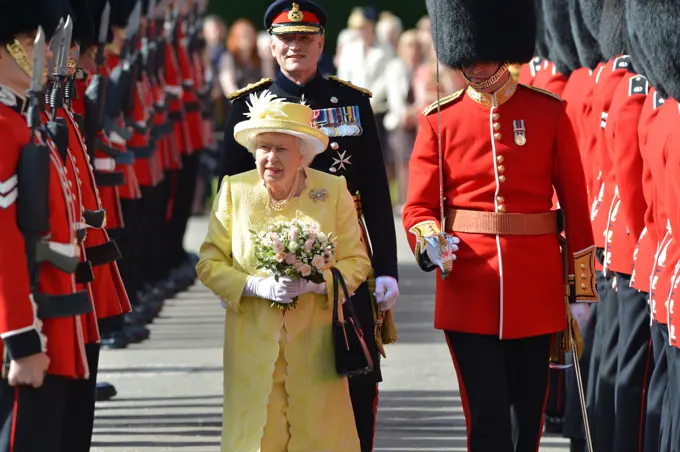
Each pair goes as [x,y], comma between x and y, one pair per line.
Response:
[503,387]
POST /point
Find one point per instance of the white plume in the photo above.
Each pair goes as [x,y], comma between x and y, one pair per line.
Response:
[265,106]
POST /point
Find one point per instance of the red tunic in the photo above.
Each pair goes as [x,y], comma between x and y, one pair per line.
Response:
[22,333]
[131,188]
[655,155]
[603,177]
[644,254]
[627,212]
[673,204]
[108,195]
[528,71]
[173,88]
[550,80]
[108,291]
[578,86]
[497,280]
[192,108]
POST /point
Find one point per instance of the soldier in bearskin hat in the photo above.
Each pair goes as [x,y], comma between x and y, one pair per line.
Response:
[46,317]
[654,34]
[506,147]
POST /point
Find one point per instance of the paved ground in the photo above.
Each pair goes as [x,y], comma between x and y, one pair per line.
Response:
[170,387]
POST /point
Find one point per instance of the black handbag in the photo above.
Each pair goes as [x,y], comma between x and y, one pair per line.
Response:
[351,353]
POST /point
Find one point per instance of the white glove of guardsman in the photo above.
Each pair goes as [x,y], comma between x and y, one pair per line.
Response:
[441,250]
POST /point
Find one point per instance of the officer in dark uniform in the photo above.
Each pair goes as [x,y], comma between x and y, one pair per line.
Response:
[343,111]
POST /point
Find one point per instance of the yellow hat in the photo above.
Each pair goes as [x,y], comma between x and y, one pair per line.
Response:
[269,113]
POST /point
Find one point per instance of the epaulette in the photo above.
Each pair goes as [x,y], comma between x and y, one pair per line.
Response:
[443,102]
[638,85]
[250,88]
[542,91]
[351,85]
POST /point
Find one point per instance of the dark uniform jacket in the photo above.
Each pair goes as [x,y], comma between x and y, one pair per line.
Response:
[354,151]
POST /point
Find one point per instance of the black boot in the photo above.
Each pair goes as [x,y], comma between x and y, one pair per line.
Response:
[105,391]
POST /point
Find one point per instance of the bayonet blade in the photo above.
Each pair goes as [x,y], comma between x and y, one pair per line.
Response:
[38,61]
[151,13]
[65,48]
[178,8]
[55,42]
[104,24]
[133,21]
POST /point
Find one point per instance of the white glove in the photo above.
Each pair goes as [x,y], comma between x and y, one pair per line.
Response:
[434,252]
[581,312]
[281,291]
[317,288]
[386,292]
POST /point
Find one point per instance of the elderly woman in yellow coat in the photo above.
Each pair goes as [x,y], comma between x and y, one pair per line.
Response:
[281,389]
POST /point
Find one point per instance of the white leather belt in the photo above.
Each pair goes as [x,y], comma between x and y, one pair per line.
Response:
[104,164]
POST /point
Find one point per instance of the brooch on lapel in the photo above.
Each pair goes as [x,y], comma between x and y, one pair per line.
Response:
[318,194]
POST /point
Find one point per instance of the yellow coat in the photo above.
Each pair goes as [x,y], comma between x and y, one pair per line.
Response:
[319,408]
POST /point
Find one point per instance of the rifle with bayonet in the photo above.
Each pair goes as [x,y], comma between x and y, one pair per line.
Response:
[57,127]
[33,173]
[95,94]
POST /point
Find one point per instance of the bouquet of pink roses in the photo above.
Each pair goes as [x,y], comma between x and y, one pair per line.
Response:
[294,249]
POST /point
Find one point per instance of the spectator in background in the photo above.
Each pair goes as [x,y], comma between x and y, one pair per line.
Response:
[264,50]
[363,62]
[424,28]
[388,30]
[215,33]
[345,37]
[401,119]
[241,64]
[425,81]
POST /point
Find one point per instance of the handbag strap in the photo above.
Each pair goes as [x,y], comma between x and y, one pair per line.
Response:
[338,280]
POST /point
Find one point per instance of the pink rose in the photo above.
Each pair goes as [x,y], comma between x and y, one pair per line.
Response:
[313,228]
[290,258]
[280,257]
[293,234]
[305,270]
[309,244]
[318,262]
[297,266]
[278,247]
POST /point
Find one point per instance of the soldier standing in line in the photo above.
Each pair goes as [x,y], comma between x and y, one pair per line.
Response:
[343,111]
[505,149]
[47,318]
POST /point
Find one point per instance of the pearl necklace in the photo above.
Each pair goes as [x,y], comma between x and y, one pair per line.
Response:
[279,206]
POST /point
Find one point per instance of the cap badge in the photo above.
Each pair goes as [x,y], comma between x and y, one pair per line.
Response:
[295,15]
[520,132]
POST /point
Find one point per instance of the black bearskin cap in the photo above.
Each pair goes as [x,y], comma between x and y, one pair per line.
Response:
[563,52]
[24,16]
[641,61]
[542,36]
[466,32]
[587,46]
[120,12]
[96,9]
[656,35]
[591,13]
[83,24]
[613,35]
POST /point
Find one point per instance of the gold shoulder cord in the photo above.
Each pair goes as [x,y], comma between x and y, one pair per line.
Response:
[18,53]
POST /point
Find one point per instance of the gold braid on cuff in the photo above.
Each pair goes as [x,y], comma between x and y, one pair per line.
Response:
[584,269]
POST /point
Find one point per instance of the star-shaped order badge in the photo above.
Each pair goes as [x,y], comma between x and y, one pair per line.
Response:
[340,162]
